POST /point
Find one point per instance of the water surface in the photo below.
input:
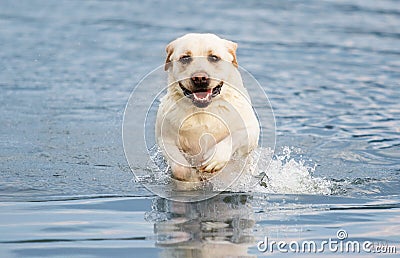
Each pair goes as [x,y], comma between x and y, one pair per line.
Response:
[330,68]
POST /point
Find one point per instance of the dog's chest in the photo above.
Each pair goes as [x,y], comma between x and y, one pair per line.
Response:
[200,132]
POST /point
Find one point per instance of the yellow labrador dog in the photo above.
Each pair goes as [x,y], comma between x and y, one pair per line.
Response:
[206,116]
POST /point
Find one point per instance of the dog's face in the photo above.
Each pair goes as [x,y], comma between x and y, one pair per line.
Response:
[198,66]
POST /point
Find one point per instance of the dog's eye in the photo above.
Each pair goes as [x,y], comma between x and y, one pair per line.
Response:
[185,59]
[213,58]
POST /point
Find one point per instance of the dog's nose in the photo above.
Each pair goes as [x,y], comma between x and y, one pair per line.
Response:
[200,79]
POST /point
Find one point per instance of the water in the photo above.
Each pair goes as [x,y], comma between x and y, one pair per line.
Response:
[330,68]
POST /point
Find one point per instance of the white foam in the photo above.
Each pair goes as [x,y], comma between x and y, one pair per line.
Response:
[282,174]
[269,173]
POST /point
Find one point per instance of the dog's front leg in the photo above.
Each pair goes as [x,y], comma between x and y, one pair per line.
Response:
[241,141]
[218,156]
[181,169]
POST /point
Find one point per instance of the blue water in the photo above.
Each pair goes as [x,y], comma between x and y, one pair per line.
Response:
[331,70]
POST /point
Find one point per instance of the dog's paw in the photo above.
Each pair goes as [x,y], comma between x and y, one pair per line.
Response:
[216,159]
[184,173]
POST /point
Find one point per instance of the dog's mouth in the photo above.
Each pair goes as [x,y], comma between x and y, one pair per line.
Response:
[202,97]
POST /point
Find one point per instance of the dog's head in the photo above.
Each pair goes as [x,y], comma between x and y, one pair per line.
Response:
[198,66]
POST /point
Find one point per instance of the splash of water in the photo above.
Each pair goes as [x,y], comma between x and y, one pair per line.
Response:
[283,174]
[269,173]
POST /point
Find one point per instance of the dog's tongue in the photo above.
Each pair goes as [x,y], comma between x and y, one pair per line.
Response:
[203,94]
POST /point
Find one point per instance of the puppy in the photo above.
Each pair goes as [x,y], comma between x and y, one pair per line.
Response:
[206,116]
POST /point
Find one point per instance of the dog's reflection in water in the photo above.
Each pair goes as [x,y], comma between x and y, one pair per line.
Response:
[218,227]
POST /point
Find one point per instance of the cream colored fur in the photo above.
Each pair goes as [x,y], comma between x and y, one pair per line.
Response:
[199,141]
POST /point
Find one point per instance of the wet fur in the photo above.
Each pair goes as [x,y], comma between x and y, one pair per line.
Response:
[180,125]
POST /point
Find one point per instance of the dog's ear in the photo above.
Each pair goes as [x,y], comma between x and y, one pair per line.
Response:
[232,46]
[169,49]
